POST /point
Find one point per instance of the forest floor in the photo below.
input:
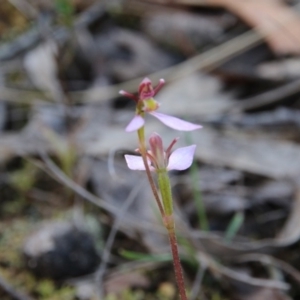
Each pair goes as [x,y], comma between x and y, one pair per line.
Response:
[75,223]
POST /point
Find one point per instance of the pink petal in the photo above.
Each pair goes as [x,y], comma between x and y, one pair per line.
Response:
[136,123]
[175,123]
[159,86]
[136,163]
[129,95]
[181,158]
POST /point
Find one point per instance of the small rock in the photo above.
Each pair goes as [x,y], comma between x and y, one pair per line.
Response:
[85,290]
[60,250]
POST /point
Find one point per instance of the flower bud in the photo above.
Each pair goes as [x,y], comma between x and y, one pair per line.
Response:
[157,151]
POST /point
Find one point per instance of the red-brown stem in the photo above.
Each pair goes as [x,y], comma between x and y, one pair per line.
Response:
[177,264]
[148,172]
[153,187]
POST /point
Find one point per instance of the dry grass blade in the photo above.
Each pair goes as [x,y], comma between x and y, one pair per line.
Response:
[204,61]
[264,294]
[108,245]
[196,288]
[291,230]
[274,17]
[246,279]
[12,292]
[235,276]
[290,233]
[26,8]
[255,155]
[267,260]
[270,97]
[266,15]
[57,174]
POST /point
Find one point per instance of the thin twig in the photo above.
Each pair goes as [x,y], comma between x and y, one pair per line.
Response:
[57,174]
[267,98]
[107,249]
[31,38]
[267,259]
[28,10]
[197,282]
[12,292]
[204,61]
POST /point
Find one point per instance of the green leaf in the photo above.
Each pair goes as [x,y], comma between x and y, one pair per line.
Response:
[145,257]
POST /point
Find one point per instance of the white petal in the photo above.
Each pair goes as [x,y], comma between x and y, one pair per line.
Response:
[136,123]
[174,122]
[181,158]
[134,162]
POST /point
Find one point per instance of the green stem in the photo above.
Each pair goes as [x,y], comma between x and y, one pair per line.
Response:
[166,194]
[165,190]
[203,222]
[166,210]
[234,225]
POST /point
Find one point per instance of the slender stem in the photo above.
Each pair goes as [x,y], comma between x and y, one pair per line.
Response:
[165,190]
[177,264]
[203,222]
[141,135]
[166,211]
[166,193]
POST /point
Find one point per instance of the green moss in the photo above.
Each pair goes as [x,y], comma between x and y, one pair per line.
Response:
[45,288]
[24,179]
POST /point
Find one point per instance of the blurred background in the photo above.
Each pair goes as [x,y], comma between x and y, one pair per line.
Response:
[75,223]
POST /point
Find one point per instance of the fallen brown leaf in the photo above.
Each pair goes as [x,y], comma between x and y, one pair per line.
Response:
[264,294]
[214,243]
[274,19]
[119,282]
[279,23]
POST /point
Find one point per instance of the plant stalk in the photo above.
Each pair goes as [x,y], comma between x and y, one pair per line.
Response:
[166,210]
[177,264]
[166,193]
[141,135]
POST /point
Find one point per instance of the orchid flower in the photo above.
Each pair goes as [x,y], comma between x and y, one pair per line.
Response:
[158,159]
[145,103]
